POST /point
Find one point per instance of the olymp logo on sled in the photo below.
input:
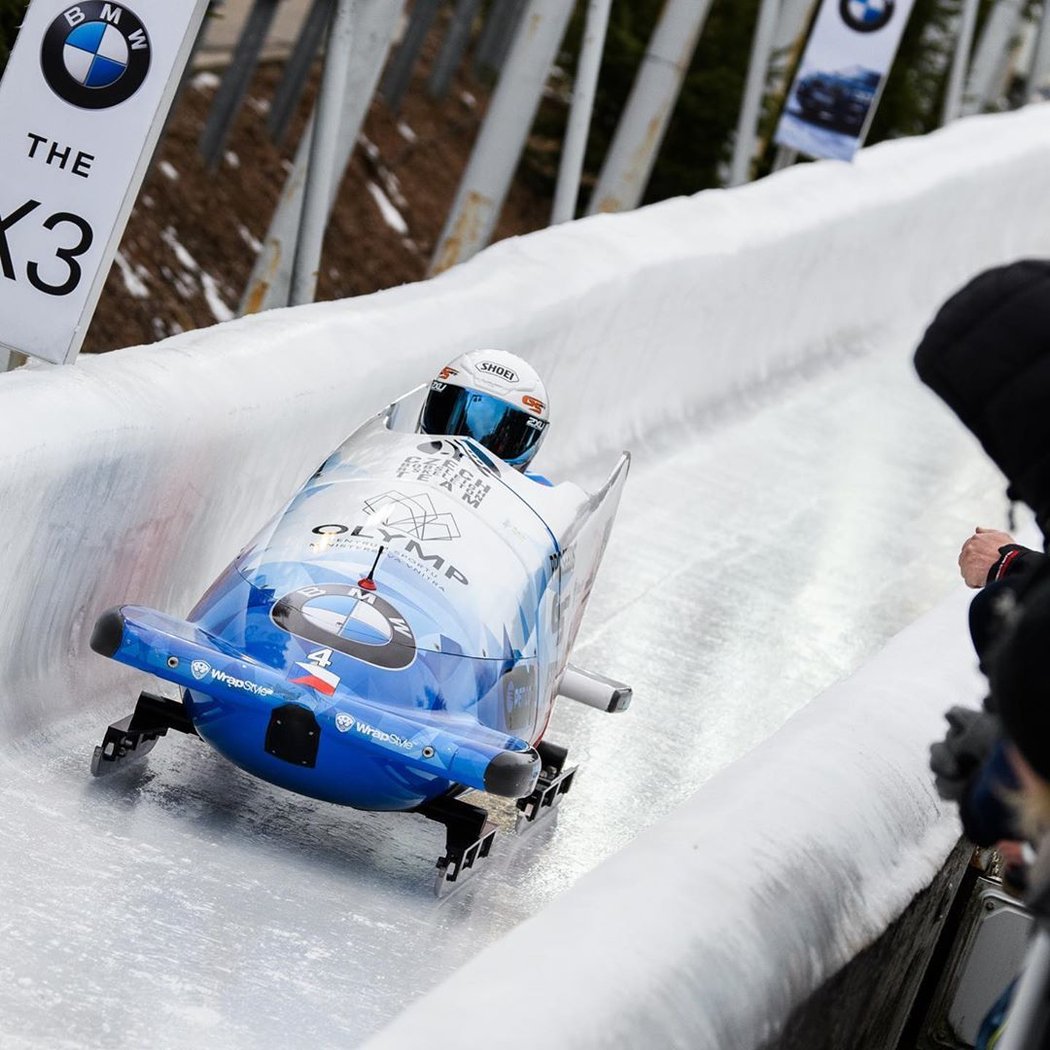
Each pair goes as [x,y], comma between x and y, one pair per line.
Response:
[866,16]
[95,54]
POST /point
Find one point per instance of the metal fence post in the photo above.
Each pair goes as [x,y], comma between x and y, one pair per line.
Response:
[270,280]
[297,69]
[399,72]
[452,48]
[235,81]
[989,63]
[584,89]
[754,89]
[321,169]
[960,61]
[497,35]
[629,162]
[501,140]
[792,23]
[1040,65]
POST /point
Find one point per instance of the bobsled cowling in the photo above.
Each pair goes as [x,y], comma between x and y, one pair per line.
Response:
[399,629]
[229,693]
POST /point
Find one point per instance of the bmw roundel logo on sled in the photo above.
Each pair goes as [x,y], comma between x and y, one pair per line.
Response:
[866,16]
[350,620]
[95,54]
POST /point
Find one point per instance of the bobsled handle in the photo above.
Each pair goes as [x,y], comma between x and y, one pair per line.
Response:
[594,690]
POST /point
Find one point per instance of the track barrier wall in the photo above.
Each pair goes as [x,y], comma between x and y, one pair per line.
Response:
[136,476]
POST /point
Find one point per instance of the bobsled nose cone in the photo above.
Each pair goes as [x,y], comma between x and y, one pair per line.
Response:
[108,632]
[512,774]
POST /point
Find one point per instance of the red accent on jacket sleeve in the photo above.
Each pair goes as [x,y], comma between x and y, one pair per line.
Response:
[1004,565]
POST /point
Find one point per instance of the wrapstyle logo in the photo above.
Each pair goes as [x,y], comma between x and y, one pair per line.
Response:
[866,16]
[501,371]
[200,669]
[95,54]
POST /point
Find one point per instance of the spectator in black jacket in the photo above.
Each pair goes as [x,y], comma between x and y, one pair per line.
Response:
[987,355]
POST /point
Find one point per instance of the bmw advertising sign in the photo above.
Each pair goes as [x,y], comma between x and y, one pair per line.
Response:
[844,67]
[82,102]
[95,55]
[866,16]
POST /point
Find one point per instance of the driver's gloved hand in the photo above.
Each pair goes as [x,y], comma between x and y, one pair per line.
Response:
[955,759]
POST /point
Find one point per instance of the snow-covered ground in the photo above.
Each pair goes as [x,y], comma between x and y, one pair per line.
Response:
[797,498]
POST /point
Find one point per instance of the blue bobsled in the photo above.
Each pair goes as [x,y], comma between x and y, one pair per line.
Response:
[396,635]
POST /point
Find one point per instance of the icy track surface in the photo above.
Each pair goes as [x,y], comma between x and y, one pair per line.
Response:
[182,903]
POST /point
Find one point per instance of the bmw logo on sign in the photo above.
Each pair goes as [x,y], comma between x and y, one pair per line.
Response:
[866,16]
[95,54]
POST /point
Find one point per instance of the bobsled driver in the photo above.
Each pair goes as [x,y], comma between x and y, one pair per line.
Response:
[494,397]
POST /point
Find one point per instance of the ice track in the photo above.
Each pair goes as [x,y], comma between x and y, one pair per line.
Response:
[183,904]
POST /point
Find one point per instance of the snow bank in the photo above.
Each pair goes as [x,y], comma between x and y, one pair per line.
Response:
[135,476]
[712,925]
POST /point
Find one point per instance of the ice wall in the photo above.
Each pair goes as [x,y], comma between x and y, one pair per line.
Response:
[135,476]
[710,927]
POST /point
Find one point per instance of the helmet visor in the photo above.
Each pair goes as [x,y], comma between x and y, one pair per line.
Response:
[504,430]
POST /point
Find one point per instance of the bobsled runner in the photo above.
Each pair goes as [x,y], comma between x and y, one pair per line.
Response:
[395,636]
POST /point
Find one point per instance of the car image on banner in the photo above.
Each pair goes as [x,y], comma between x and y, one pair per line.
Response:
[845,64]
[839,101]
[827,110]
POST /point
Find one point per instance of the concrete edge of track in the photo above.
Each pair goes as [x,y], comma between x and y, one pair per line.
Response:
[136,476]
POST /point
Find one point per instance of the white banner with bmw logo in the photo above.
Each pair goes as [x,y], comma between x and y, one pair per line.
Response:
[82,103]
[836,90]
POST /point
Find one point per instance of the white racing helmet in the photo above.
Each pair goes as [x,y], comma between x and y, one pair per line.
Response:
[494,397]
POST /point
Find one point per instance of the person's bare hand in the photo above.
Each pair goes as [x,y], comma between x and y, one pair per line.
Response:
[979,553]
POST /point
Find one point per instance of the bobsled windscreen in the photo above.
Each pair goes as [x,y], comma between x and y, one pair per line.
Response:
[510,433]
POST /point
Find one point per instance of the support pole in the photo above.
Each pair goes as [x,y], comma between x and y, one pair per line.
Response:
[399,72]
[747,125]
[324,146]
[452,49]
[498,33]
[1040,67]
[270,281]
[501,140]
[790,38]
[792,23]
[297,69]
[629,162]
[960,61]
[235,81]
[989,64]
[583,91]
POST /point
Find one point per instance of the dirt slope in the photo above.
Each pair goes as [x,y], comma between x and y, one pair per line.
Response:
[190,243]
